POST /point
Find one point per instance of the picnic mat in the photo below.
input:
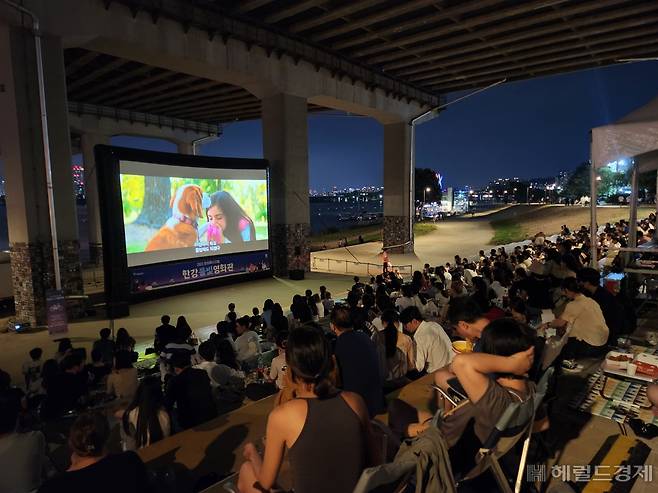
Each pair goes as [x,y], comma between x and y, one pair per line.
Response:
[627,398]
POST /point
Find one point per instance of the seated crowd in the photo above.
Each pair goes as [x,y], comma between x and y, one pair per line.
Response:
[332,364]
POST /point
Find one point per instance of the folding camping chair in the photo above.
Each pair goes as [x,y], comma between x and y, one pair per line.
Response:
[516,423]
[393,477]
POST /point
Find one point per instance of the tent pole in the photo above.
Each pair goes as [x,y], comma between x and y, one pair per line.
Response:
[594,240]
[655,233]
[632,226]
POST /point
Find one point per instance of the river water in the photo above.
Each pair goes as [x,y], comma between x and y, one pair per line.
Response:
[324,216]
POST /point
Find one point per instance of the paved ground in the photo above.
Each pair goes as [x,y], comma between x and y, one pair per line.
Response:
[463,236]
[201,308]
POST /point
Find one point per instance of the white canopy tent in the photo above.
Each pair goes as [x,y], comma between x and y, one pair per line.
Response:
[633,138]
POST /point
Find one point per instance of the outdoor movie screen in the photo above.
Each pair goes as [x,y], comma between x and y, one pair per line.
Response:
[194,223]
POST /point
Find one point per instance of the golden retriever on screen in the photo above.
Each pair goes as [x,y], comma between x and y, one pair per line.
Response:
[180,230]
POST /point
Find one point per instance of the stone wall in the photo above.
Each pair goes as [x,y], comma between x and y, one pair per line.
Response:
[32,274]
[396,232]
[96,254]
[290,248]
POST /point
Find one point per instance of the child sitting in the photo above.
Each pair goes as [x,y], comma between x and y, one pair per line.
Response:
[279,366]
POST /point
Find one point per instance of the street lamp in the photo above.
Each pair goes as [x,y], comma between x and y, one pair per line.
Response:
[427,189]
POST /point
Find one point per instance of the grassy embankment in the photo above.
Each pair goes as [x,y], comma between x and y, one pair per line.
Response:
[522,222]
[369,233]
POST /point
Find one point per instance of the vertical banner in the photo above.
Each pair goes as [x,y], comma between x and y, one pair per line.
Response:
[56,313]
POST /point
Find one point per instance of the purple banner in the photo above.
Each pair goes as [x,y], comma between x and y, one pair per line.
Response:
[158,276]
[56,313]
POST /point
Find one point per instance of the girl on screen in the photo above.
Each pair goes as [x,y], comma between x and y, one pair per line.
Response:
[227,221]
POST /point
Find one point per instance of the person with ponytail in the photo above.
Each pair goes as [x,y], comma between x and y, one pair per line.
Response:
[396,349]
[146,420]
[327,433]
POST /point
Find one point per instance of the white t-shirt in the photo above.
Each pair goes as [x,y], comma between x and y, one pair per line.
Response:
[247,345]
[433,347]
[377,323]
[448,278]
[278,370]
[208,367]
[499,289]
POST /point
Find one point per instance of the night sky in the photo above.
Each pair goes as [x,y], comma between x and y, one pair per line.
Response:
[528,129]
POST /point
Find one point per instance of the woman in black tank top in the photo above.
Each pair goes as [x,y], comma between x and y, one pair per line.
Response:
[327,433]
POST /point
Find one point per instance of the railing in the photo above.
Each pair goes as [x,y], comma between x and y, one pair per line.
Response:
[342,266]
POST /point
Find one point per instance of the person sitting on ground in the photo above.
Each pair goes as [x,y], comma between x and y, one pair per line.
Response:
[327,433]
[105,345]
[408,298]
[358,362]
[67,390]
[145,420]
[64,348]
[582,320]
[267,315]
[519,310]
[457,287]
[122,382]
[328,302]
[190,393]
[228,374]
[97,369]
[183,329]
[467,321]
[247,344]
[491,379]
[358,285]
[207,352]
[433,346]
[256,321]
[231,309]
[164,334]
[32,373]
[124,341]
[396,349]
[280,322]
[318,305]
[481,294]
[92,469]
[279,366]
[178,346]
[590,281]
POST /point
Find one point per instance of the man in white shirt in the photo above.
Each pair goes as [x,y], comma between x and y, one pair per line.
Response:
[247,343]
[433,346]
[207,352]
[584,323]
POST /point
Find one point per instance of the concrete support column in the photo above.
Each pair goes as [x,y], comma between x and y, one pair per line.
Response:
[185,148]
[22,152]
[632,205]
[398,184]
[285,146]
[655,234]
[88,141]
